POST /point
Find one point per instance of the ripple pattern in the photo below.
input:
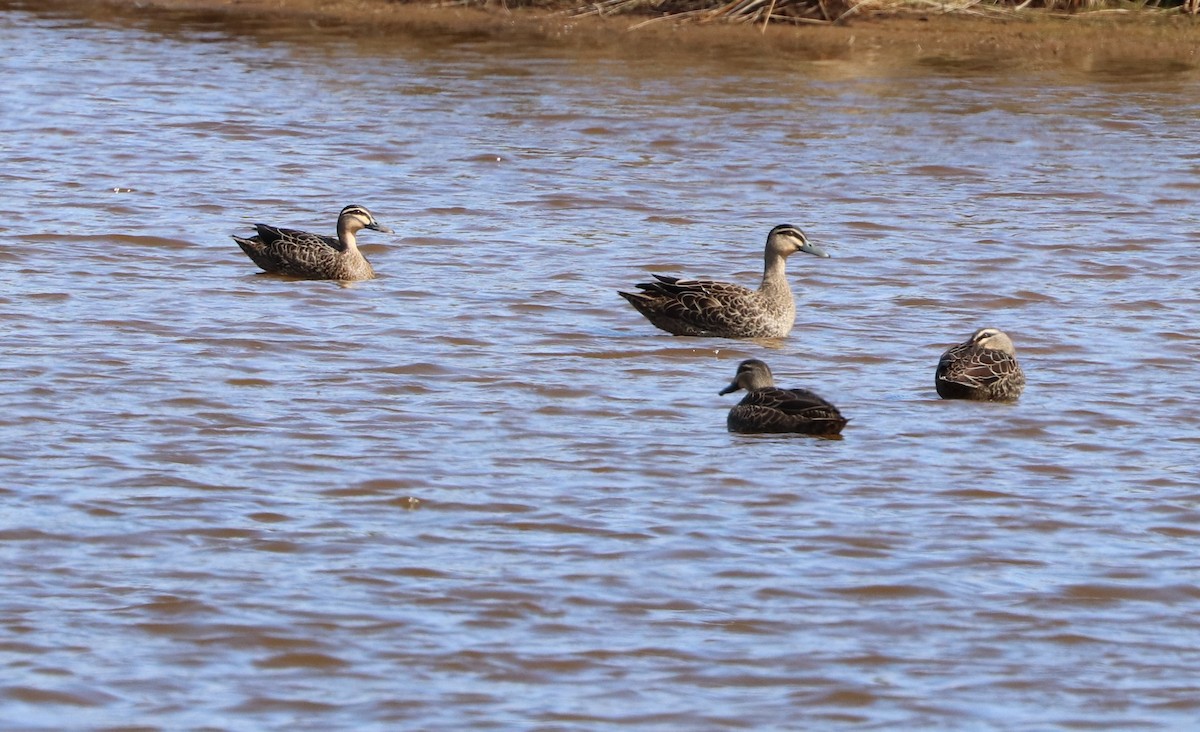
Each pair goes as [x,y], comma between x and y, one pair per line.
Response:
[480,492]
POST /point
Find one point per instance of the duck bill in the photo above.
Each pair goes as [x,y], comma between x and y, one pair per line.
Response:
[380,228]
[813,249]
[729,389]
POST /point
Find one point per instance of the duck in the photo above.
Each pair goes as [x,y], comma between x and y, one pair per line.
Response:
[982,368]
[767,408]
[685,307]
[315,256]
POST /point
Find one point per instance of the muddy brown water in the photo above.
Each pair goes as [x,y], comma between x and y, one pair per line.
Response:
[480,492]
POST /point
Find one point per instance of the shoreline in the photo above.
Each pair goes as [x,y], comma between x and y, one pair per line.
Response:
[1018,38]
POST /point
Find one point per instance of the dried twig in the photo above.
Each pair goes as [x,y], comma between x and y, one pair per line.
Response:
[768,18]
[821,12]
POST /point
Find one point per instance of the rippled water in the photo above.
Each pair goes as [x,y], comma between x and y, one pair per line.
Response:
[480,492]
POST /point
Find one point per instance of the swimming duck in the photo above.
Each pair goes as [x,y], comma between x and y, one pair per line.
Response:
[767,408]
[315,256]
[983,368]
[725,310]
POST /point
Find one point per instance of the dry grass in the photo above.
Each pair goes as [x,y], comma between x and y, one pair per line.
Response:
[1029,33]
[839,11]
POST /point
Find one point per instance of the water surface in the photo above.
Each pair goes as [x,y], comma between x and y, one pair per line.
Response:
[481,492]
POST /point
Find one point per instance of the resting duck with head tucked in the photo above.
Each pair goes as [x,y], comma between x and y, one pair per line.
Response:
[982,368]
[767,408]
[725,310]
[315,256]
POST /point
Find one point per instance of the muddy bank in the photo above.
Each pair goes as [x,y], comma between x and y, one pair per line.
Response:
[1022,38]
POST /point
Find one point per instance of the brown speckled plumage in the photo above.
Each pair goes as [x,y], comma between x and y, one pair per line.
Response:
[982,368]
[725,310]
[768,408]
[314,256]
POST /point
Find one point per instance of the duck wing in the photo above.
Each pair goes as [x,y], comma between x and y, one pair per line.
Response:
[692,307]
[289,251]
[794,402]
[786,410]
[276,239]
[975,367]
